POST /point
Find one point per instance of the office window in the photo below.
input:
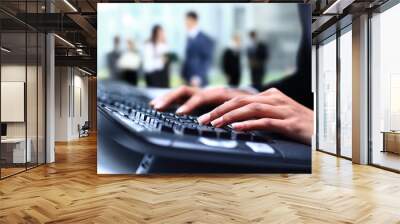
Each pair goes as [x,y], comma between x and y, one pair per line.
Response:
[385,89]
[327,96]
[14,151]
[22,93]
[346,93]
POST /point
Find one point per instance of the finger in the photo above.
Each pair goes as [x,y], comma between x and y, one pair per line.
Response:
[266,124]
[250,111]
[270,91]
[224,108]
[194,102]
[234,104]
[205,96]
[163,102]
[277,96]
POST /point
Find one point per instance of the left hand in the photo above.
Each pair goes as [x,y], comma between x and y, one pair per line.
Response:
[270,110]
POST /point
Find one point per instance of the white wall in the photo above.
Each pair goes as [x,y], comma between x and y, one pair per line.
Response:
[71,94]
[62,82]
[80,110]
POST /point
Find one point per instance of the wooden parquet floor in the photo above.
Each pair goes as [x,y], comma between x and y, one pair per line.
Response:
[70,191]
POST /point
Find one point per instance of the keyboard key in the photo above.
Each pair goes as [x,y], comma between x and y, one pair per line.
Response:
[258,138]
[167,128]
[222,133]
[185,120]
[190,131]
[207,131]
[242,136]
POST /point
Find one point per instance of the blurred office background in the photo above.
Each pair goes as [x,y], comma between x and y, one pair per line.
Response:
[278,26]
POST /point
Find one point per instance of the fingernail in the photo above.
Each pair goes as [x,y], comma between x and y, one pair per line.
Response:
[203,119]
[217,122]
[181,110]
[237,125]
[155,100]
[158,104]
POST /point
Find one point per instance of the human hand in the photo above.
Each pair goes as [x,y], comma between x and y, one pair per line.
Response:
[270,110]
[194,97]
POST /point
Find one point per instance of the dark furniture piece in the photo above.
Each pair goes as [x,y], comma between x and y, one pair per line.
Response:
[84,129]
[3,129]
[391,141]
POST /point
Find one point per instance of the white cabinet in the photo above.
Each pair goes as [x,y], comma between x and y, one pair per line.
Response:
[16,146]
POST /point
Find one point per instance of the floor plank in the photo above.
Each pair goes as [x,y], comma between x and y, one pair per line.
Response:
[70,191]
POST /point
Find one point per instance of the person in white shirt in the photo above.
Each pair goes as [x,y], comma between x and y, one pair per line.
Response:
[155,60]
[129,64]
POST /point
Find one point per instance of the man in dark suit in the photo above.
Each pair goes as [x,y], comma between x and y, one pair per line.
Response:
[199,50]
[258,56]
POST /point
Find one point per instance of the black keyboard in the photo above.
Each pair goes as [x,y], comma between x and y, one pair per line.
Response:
[136,109]
[151,138]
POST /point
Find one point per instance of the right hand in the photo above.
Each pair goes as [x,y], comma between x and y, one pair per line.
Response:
[270,110]
[194,97]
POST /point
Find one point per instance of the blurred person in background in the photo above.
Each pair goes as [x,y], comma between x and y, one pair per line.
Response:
[155,59]
[258,55]
[198,54]
[231,64]
[112,59]
[129,64]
